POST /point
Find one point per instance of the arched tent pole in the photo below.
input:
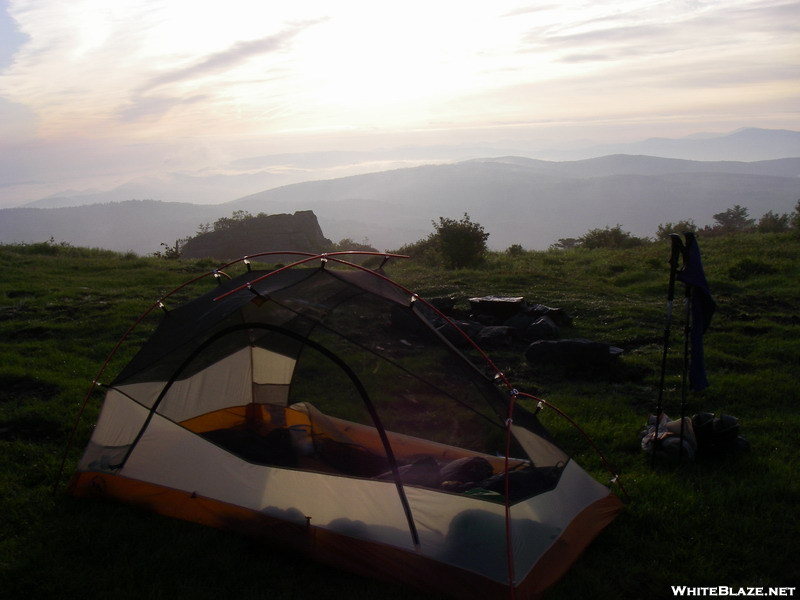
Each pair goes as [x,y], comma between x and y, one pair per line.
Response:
[614,475]
[339,257]
[96,380]
[499,377]
[327,353]
[512,583]
[334,256]
[324,257]
[308,256]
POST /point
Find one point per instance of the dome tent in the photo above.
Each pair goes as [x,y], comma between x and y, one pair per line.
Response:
[320,405]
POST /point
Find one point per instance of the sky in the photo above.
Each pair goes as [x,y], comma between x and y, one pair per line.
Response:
[94,93]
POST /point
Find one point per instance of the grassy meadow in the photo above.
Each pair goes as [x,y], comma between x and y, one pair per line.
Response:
[729,520]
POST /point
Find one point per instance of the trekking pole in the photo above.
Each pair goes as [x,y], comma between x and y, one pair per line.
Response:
[676,251]
[687,332]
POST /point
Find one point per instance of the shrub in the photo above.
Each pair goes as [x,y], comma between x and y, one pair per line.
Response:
[609,237]
[461,244]
[423,251]
[772,222]
[565,244]
[733,220]
[794,218]
[663,231]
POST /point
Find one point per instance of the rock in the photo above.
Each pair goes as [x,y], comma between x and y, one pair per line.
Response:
[542,329]
[445,304]
[496,335]
[520,322]
[452,335]
[557,315]
[261,233]
[497,307]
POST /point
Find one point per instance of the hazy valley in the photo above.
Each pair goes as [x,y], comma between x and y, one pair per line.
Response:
[517,200]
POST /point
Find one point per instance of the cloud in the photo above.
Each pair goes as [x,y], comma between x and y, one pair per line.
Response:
[585,57]
[237,54]
[144,103]
[11,39]
[141,107]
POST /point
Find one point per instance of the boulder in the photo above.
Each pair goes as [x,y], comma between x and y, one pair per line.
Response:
[557,315]
[452,335]
[496,336]
[544,328]
[499,308]
[261,233]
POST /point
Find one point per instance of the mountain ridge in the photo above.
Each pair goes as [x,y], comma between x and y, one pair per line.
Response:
[517,200]
[244,176]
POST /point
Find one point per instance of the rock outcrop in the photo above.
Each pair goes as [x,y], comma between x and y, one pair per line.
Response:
[262,233]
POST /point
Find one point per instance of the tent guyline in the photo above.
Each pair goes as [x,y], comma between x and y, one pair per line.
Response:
[322,406]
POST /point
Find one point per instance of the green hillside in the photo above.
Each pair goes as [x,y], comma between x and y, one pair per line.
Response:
[726,520]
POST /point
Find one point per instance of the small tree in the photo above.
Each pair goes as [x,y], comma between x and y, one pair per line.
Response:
[733,220]
[346,244]
[772,222]
[565,244]
[172,252]
[663,231]
[424,251]
[609,237]
[461,243]
[228,222]
[794,218]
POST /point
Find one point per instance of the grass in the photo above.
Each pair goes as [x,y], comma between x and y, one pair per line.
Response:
[724,521]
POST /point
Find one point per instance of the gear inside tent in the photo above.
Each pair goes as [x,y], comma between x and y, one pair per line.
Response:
[320,406]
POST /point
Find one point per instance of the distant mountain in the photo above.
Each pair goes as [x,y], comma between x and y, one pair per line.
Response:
[749,144]
[624,164]
[533,203]
[517,200]
[174,187]
[253,174]
[136,225]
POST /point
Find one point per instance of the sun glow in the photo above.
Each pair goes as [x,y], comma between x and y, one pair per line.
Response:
[149,70]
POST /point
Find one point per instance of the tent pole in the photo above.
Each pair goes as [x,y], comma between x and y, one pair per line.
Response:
[676,251]
[687,331]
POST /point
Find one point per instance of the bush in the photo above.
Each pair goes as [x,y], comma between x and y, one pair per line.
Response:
[565,244]
[610,237]
[665,229]
[461,243]
[347,244]
[772,222]
[733,220]
[423,251]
